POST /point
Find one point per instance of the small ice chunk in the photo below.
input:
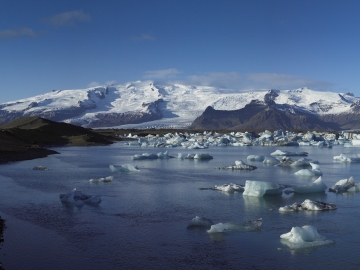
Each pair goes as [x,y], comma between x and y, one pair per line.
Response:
[230,226]
[164,155]
[124,168]
[304,237]
[200,222]
[260,188]
[203,156]
[230,188]
[316,186]
[309,172]
[345,185]
[103,179]
[239,165]
[78,198]
[256,157]
[144,156]
[308,205]
[40,168]
[271,160]
[287,153]
[218,228]
[347,157]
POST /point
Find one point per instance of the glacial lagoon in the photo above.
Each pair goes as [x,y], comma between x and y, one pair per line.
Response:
[142,219]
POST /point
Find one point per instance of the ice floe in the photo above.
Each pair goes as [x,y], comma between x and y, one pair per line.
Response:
[104,179]
[226,227]
[345,185]
[79,198]
[124,168]
[202,156]
[239,165]
[315,186]
[144,156]
[287,153]
[229,188]
[256,157]
[260,188]
[302,162]
[347,158]
[308,205]
[304,237]
[200,222]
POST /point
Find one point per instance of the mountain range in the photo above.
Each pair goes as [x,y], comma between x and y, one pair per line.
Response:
[150,105]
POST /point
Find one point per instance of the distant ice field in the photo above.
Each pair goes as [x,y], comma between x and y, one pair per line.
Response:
[143,217]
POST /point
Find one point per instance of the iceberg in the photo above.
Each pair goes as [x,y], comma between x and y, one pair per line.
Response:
[124,168]
[203,156]
[304,237]
[287,153]
[256,157]
[239,165]
[164,155]
[302,162]
[144,156]
[225,227]
[309,172]
[104,179]
[345,185]
[308,205]
[230,188]
[78,198]
[200,222]
[348,158]
[316,186]
[260,188]
[271,161]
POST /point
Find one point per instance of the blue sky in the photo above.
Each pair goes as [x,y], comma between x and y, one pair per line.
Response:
[243,44]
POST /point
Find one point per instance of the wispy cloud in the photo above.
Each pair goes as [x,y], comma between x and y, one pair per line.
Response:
[15,33]
[70,18]
[144,37]
[284,81]
[219,79]
[162,73]
[93,84]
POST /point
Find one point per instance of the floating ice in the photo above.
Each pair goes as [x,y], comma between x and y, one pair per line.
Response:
[144,156]
[287,153]
[316,186]
[271,161]
[302,162]
[256,157]
[304,237]
[224,227]
[260,188]
[345,185]
[124,168]
[348,158]
[309,172]
[230,188]
[78,198]
[239,165]
[104,179]
[203,156]
[40,168]
[164,155]
[308,205]
[200,222]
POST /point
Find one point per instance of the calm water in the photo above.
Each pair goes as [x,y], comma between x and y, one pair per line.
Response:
[142,220]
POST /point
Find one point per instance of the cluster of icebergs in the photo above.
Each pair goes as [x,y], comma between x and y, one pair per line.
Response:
[266,138]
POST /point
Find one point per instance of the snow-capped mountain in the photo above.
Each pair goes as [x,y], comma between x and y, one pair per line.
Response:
[145,104]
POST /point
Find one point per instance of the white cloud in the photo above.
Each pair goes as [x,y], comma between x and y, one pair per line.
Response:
[93,84]
[144,36]
[15,33]
[162,73]
[70,18]
[219,79]
[284,81]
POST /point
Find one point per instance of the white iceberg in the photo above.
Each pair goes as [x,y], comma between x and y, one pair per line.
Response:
[287,153]
[316,186]
[164,155]
[224,227]
[345,185]
[348,158]
[309,172]
[78,198]
[304,237]
[308,205]
[256,157]
[239,165]
[271,161]
[144,156]
[200,222]
[260,188]
[302,162]
[203,156]
[230,188]
[124,168]
[103,179]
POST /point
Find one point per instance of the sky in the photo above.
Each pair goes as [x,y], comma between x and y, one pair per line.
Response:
[243,45]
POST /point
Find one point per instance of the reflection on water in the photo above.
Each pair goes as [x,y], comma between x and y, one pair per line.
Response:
[142,219]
